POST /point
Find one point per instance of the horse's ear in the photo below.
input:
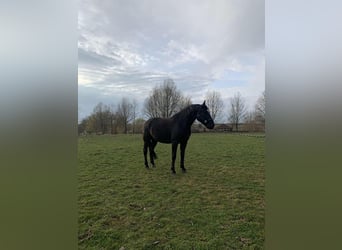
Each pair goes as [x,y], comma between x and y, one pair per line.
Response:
[203,103]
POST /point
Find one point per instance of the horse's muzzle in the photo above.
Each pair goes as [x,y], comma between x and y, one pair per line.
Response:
[210,125]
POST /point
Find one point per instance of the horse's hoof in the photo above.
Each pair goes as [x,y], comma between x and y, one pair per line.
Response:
[173,171]
[184,170]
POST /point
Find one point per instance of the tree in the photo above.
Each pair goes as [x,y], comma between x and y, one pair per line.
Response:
[184,102]
[237,110]
[214,103]
[125,112]
[134,115]
[91,124]
[164,101]
[139,125]
[250,124]
[82,126]
[100,116]
[113,120]
[260,108]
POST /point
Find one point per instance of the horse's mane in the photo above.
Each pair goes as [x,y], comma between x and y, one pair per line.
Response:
[186,111]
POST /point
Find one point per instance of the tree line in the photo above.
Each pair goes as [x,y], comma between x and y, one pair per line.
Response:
[164,101]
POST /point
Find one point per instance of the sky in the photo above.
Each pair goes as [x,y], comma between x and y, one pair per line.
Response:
[127,47]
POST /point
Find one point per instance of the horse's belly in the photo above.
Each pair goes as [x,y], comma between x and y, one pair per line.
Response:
[163,140]
[161,132]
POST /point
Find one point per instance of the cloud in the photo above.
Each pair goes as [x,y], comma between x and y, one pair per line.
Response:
[127,47]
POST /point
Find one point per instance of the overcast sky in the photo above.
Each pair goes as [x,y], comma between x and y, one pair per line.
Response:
[126,47]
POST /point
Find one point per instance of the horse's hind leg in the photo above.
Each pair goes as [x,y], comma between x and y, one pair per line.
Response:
[153,155]
[146,144]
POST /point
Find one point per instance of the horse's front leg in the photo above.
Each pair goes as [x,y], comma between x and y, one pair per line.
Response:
[182,148]
[174,153]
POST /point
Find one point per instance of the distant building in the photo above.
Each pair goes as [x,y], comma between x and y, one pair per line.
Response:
[223,128]
[229,128]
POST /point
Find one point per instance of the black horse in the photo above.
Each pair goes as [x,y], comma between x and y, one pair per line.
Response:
[175,130]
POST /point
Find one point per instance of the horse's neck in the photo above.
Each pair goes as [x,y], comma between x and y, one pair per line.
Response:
[186,120]
[191,118]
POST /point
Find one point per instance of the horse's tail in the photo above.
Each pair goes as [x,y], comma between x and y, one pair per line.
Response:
[146,133]
[148,138]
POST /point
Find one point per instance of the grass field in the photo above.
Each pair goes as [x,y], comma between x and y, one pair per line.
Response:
[218,204]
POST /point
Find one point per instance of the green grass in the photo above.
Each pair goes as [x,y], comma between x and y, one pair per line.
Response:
[218,204]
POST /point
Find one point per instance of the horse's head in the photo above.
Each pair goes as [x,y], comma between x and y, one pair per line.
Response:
[204,117]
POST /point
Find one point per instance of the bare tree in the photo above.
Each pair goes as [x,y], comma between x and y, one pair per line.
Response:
[107,119]
[82,126]
[125,111]
[150,108]
[134,114]
[214,103]
[99,120]
[91,124]
[237,110]
[260,108]
[113,119]
[171,97]
[184,102]
[139,125]
[250,124]
[164,101]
